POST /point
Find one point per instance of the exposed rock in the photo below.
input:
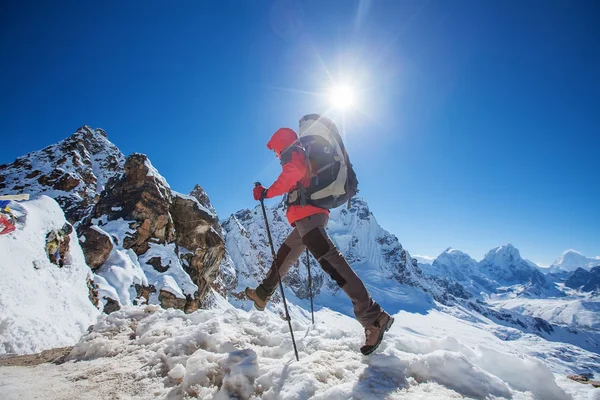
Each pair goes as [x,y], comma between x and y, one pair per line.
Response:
[196,231]
[169,300]
[140,196]
[93,293]
[145,292]
[156,262]
[158,216]
[96,245]
[111,305]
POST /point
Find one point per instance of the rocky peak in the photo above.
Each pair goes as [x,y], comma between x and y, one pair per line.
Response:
[505,265]
[73,171]
[199,194]
[503,255]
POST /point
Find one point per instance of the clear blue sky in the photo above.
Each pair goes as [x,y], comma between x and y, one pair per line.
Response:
[478,121]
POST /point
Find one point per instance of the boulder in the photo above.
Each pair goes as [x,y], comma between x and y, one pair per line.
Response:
[96,246]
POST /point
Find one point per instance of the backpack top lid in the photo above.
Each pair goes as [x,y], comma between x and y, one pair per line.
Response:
[318,125]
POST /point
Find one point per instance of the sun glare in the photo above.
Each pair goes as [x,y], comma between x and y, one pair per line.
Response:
[342,97]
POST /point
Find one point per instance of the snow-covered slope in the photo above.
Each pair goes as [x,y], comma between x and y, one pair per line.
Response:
[570,260]
[581,312]
[227,353]
[389,272]
[41,305]
[73,171]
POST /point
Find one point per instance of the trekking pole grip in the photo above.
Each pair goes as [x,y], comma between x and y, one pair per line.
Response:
[257,184]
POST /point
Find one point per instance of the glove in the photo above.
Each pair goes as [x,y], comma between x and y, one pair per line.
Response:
[259,193]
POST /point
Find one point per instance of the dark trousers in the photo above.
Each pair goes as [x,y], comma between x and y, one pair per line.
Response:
[310,232]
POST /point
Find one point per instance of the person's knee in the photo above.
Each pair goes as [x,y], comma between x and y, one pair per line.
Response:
[317,243]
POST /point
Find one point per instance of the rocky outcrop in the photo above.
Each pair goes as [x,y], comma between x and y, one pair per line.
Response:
[176,237]
[198,229]
[73,171]
[138,196]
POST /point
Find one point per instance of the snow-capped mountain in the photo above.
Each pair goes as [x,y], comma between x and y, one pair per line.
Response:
[571,260]
[389,272]
[73,171]
[505,266]
[461,268]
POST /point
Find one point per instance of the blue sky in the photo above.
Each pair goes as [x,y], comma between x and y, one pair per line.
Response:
[477,123]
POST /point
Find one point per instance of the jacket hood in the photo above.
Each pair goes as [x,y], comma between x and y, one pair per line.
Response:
[281,139]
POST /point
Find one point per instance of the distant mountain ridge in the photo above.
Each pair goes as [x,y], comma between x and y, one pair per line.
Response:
[571,260]
[501,267]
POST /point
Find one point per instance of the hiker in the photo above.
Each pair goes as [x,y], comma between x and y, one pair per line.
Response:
[57,244]
[309,222]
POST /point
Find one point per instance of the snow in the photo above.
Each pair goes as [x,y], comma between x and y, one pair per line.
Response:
[175,280]
[122,272]
[228,353]
[582,311]
[41,305]
[153,172]
[571,259]
[424,259]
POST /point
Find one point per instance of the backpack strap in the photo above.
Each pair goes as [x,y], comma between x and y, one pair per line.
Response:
[286,154]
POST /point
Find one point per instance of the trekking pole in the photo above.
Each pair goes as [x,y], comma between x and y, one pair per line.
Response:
[312,312]
[287,314]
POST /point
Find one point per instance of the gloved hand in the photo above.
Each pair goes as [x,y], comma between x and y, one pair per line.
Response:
[259,193]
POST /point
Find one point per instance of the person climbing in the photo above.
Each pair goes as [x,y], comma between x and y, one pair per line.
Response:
[309,221]
[57,244]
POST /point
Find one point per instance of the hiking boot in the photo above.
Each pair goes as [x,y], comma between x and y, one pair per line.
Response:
[259,303]
[374,333]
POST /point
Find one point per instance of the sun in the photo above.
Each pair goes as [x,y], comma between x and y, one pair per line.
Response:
[342,97]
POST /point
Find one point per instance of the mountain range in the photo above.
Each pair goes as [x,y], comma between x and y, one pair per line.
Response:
[148,244]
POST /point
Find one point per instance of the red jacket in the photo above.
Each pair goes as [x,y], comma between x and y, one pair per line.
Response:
[293,172]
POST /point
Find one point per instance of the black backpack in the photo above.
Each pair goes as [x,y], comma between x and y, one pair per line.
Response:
[333,180]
